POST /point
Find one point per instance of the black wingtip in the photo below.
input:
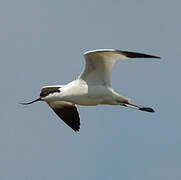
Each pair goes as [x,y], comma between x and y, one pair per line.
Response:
[138,55]
[77,130]
[148,109]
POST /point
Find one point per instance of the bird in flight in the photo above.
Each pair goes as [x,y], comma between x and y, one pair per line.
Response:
[91,88]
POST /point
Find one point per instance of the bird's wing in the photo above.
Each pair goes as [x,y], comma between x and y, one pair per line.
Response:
[67,112]
[99,64]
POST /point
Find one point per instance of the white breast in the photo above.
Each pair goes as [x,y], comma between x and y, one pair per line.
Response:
[79,92]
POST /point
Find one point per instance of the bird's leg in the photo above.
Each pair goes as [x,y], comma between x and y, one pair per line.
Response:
[141,108]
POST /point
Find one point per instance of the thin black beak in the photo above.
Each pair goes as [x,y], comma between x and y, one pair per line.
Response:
[39,99]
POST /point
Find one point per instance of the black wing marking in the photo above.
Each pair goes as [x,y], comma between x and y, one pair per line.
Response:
[68,113]
[137,55]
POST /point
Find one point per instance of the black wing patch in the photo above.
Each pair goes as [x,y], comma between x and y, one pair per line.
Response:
[137,55]
[69,114]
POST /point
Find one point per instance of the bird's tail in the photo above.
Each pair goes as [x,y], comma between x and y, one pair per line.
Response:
[141,108]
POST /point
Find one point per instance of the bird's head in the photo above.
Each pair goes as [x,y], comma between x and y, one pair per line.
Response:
[46,94]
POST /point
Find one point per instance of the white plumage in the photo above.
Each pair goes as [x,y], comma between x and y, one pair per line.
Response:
[92,87]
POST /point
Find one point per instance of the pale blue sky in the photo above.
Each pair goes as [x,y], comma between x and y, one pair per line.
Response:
[42,42]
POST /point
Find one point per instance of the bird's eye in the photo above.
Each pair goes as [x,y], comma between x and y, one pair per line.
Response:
[45,92]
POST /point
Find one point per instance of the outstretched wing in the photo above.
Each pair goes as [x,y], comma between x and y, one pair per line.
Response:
[67,112]
[99,64]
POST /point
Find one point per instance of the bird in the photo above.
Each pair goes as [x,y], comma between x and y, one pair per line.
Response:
[91,88]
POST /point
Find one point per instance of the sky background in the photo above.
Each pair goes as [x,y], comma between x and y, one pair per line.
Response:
[42,42]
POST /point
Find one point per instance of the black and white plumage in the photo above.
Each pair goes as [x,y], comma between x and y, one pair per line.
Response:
[91,88]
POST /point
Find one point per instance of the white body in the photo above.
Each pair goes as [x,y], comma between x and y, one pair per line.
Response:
[91,88]
[93,85]
[81,93]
